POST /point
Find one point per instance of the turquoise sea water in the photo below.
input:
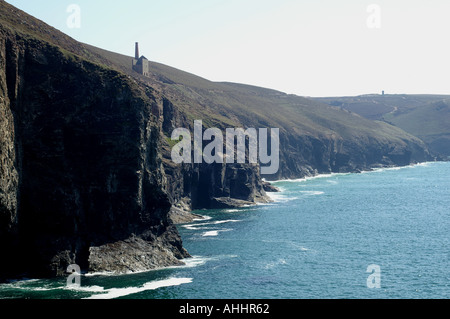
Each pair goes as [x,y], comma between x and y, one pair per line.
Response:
[316,241]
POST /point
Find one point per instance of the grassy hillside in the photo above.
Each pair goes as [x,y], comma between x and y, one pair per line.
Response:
[238,104]
[430,122]
[424,116]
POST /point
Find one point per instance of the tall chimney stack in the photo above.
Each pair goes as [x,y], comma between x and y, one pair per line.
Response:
[137,51]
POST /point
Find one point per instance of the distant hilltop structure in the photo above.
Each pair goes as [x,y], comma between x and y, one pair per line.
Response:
[140,64]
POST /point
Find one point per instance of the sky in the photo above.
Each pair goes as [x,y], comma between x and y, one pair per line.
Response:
[303,47]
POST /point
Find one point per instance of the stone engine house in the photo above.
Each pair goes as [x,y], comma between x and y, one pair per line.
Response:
[140,64]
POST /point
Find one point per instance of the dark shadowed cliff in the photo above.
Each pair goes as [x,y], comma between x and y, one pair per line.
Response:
[86,175]
[81,178]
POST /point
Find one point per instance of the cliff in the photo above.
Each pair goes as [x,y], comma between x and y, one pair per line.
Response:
[81,177]
[86,174]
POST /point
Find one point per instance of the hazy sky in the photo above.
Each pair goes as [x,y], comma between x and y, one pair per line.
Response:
[304,47]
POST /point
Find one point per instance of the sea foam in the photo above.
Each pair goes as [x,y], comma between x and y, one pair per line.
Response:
[308,178]
[113,293]
[198,226]
[312,193]
[280,197]
[212,233]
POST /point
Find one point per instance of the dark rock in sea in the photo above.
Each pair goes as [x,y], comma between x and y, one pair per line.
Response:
[137,254]
[269,188]
[181,212]
[227,202]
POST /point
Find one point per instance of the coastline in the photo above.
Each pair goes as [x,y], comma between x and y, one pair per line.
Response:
[100,288]
[185,216]
[375,169]
[279,197]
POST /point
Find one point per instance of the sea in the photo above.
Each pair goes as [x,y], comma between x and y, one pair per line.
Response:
[383,234]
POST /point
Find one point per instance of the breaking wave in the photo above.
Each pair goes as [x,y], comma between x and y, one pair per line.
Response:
[113,293]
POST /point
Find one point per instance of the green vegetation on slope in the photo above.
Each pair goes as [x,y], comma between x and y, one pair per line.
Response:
[311,132]
[424,116]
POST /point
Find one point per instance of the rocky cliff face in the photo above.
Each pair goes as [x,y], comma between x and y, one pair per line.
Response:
[204,186]
[309,156]
[81,179]
[345,149]
[199,186]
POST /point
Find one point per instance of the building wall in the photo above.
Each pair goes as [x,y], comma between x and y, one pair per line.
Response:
[144,67]
[141,66]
